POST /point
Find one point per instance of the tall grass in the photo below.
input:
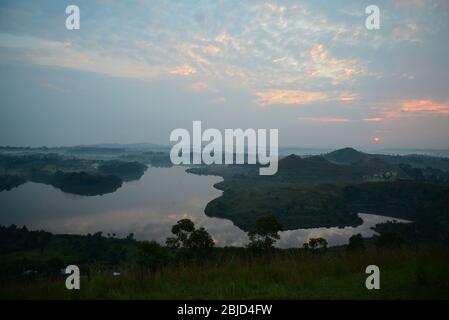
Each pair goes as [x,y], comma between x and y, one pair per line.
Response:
[405,274]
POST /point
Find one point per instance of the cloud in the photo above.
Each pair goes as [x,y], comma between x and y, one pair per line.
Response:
[408,32]
[413,108]
[185,70]
[372,119]
[408,3]
[198,86]
[426,106]
[323,119]
[346,97]
[64,54]
[323,65]
[318,52]
[219,100]
[210,49]
[289,97]
[273,8]
[299,97]
[255,47]
[194,52]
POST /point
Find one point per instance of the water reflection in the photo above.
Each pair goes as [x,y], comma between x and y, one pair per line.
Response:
[148,208]
[335,236]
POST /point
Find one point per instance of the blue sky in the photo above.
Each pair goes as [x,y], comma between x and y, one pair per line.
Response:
[138,69]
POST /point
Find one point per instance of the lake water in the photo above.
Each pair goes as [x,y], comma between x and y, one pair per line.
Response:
[148,208]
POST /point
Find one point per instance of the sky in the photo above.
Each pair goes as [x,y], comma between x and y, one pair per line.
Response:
[136,70]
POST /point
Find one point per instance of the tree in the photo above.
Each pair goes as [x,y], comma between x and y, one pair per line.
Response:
[182,230]
[200,239]
[43,238]
[356,243]
[316,244]
[390,239]
[130,237]
[189,237]
[265,234]
[151,255]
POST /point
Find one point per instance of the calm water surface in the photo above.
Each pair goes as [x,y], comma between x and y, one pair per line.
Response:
[148,208]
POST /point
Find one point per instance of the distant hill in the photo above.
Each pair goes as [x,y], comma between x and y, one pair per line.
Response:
[316,165]
[310,191]
[345,156]
[350,156]
[358,167]
[417,161]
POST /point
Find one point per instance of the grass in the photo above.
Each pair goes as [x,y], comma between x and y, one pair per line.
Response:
[405,274]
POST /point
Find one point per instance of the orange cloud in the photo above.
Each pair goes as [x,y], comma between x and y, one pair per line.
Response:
[345,97]
[415,108]
[425,106]
[325,120]
[198,86]
[391,114]
[184,70]
[372,119]
[273,8]
[210,49]
[318,51]
[290,97]
[323,65]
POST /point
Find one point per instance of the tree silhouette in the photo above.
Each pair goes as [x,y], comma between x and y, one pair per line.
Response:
[186,236]
[182,230]
[356,243]
[200,239]
[265,234]
[390,239]
[316,244]
[151,255]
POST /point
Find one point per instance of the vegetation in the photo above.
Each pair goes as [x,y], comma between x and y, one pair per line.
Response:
[316,191]
[316,245]
[390,239]
[356,244]
[125,170]
[85,184]
[424,203]
[71,175]
[147,270]
[265,234]
[151,256]
[416,161]
[295,205]
[154,158]
[329,191]
[186,236]
[8,182]
[305,193]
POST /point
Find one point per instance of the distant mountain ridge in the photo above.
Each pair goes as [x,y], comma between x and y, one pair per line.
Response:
[351,156]
[345,165]
[346,156]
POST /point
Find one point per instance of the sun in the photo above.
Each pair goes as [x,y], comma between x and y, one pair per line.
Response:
[376,139]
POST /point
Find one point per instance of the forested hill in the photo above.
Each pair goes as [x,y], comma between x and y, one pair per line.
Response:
[351,156]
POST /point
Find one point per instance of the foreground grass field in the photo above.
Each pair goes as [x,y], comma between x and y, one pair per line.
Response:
[405,274]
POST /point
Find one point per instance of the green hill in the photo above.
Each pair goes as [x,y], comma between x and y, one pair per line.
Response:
[345,156]
[318,169]
[350,156]
[308,192]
